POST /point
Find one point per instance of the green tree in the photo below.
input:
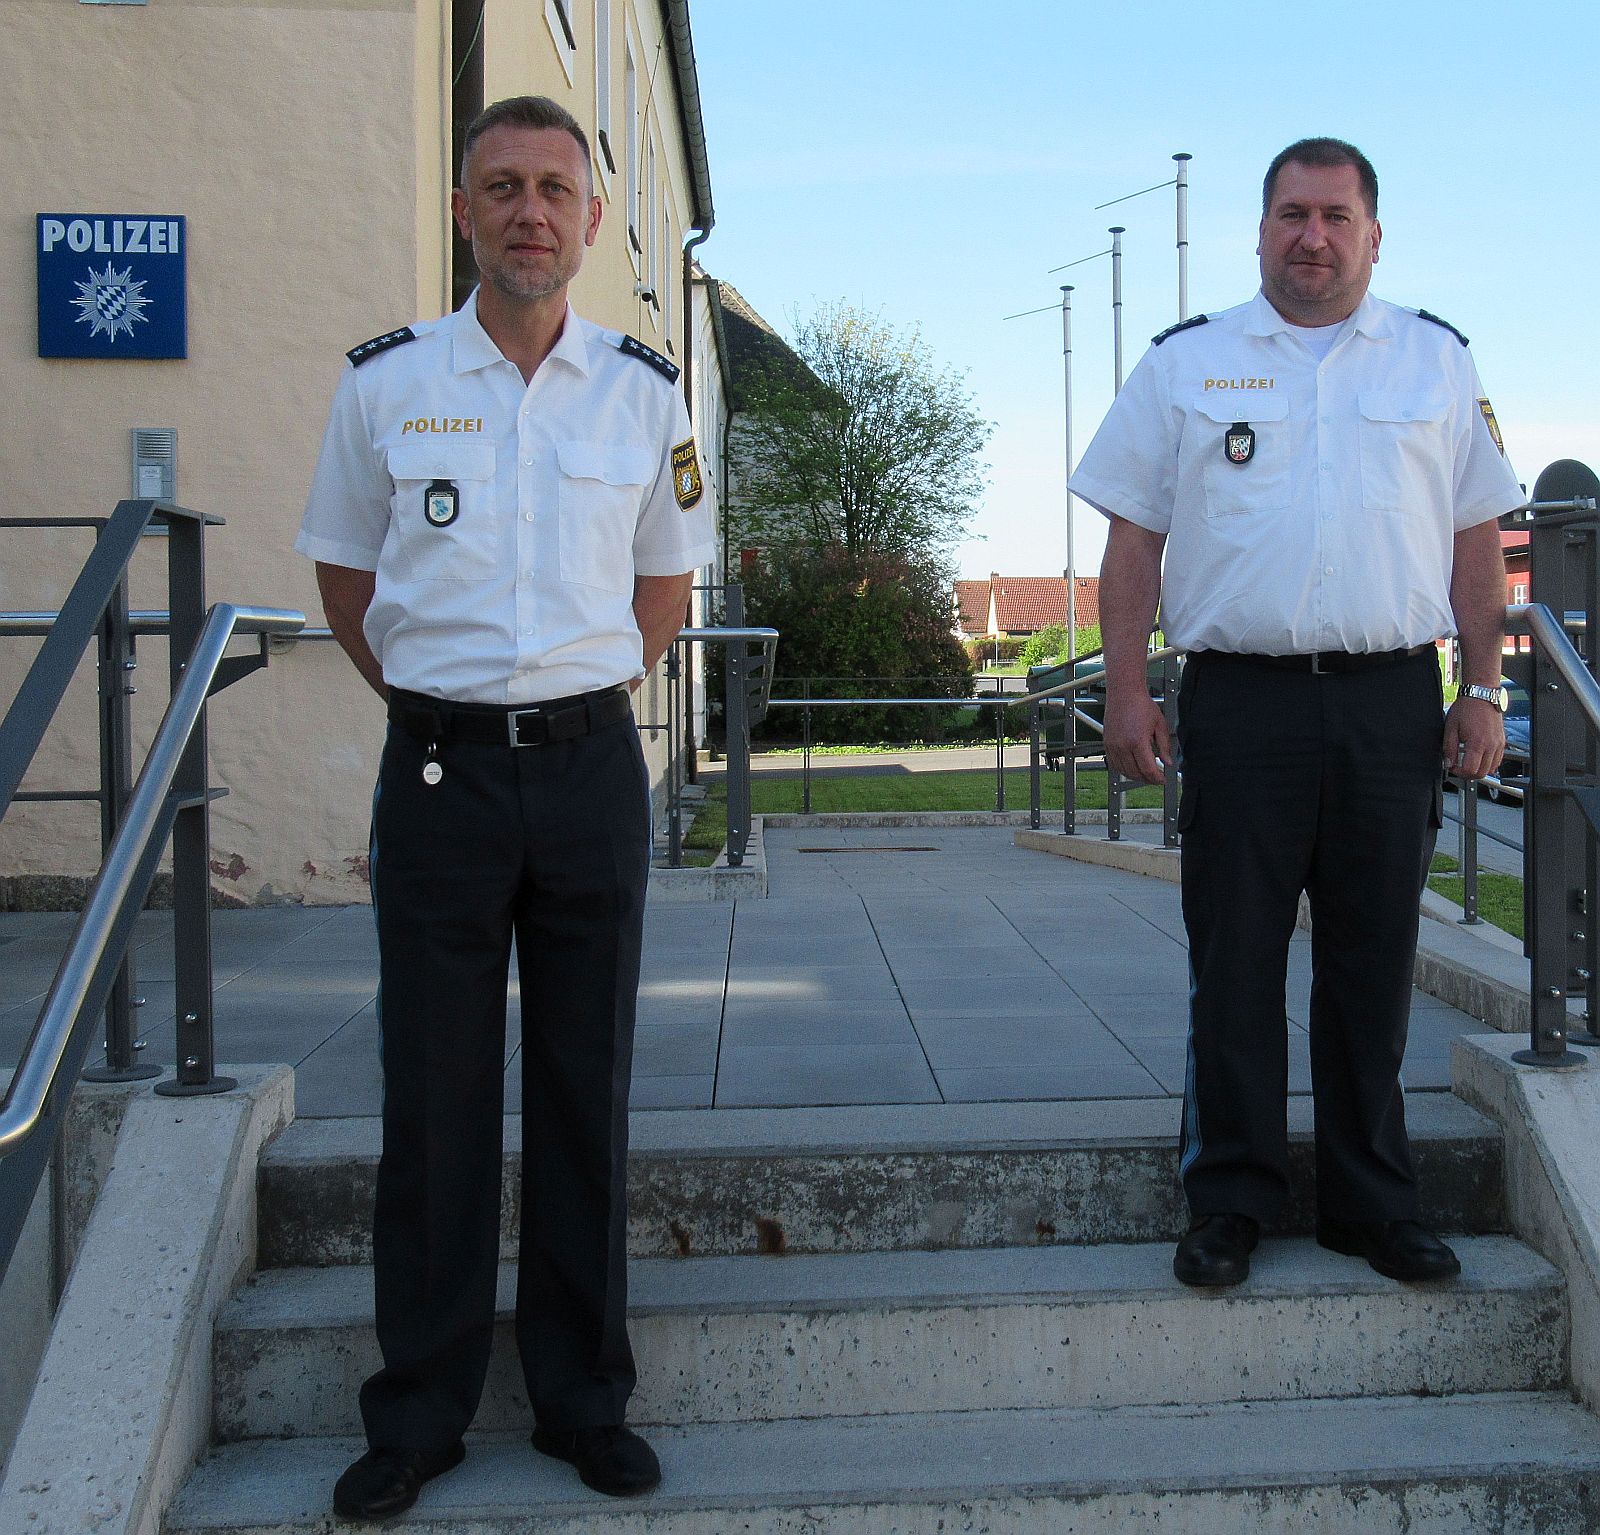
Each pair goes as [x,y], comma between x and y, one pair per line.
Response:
[859,625]
[1044,645]
[870,447]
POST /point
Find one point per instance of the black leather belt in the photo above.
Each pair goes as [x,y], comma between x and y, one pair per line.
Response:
[1319,661]
[552,719]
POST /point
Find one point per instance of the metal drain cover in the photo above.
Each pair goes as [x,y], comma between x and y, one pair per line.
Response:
[866,849]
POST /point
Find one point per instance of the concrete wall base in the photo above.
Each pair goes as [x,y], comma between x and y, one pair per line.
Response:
[122,1407]
[45,1255]
[719,881]
[1552,1174]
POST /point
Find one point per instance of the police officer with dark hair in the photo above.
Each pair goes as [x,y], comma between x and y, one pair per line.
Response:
[1322,471]
[505,518]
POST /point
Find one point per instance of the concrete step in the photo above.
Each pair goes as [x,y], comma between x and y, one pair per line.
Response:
[867,1179]
[1509,1464]
[743,1339]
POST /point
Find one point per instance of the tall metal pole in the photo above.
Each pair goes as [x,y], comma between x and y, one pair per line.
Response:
[1072,569]
[1183,234]
[1117,232]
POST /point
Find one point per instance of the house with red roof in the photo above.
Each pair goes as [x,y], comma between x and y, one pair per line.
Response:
[1014,607]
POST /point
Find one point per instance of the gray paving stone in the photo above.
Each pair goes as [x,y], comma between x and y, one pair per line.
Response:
[817,984]
[671,1092]
[674,1052]
[985,1042]
[863,1072]
[795,1025]
[990,996]
[1047,1081]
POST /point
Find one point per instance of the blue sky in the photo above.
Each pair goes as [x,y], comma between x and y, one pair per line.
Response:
[930,162]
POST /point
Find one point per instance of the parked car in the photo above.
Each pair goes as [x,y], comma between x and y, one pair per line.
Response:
[1518,760]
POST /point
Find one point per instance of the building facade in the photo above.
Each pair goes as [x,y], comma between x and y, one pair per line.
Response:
[307,153]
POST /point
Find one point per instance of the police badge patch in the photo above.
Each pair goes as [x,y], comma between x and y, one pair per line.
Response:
[1489,421]
[686,483]
[1241,443]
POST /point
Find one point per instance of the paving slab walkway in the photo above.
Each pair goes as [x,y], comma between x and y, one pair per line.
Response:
[888,965]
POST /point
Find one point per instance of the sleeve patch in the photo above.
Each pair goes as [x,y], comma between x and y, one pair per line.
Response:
[1172,330]
[661,364]
[370,349]
[1490,422]
[686,482]
[1422,314]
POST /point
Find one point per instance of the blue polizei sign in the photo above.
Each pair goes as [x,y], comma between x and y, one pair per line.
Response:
[113,285]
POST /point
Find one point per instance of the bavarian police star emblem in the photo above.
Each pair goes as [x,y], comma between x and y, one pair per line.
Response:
[1241,443]
[686,483]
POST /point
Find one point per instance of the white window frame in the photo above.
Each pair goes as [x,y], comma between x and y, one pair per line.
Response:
[604,153]
[558,18]
[630,105]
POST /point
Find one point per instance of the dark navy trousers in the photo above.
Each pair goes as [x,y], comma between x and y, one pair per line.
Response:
[1327,784]
[547,847]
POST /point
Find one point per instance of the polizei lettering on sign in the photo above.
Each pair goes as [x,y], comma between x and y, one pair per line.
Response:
[112,285]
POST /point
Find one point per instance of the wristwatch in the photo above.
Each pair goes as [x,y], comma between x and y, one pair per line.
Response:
[1495,696]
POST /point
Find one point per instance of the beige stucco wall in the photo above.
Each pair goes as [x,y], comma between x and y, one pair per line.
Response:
[307,144]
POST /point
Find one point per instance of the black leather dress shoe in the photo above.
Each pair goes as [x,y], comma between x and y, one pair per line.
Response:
[1399,1249]
[386,1482]
[1216,1250]
[611,1459]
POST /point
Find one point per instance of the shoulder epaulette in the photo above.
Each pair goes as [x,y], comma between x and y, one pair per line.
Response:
[1422,314]
[1172,330]
[370,349]
[646,354]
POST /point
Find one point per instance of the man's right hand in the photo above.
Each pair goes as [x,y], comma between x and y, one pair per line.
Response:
[1137,739]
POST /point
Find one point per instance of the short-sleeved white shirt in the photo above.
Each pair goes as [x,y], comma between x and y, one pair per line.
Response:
[564,493]
[1337,533]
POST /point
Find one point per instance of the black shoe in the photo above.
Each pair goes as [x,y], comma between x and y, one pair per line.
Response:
[1399,1249]
[386,1482]
[611,1459]
[1216,1250]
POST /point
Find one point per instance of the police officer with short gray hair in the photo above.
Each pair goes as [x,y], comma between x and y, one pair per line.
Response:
[1322,472]
[506,516]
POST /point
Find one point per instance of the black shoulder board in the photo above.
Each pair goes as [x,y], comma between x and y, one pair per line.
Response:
[646,354]
[1422,314]
[1172,330]
[370,349]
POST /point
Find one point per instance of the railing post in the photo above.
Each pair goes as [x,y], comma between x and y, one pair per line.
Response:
[1169,777]
[999,751]
[116,665]
[191,831]
[1033,766]
[1069,759]
[674,786]
[1467,844]
[805,749]
[738,713]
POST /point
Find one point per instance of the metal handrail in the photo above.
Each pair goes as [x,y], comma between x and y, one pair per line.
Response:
[146,821]
[145,621]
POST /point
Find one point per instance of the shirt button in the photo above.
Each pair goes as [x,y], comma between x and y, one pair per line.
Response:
[527,461]
[527,516]
[1327,570]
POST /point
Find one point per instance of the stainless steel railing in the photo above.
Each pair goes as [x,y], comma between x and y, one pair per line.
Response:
[123,881]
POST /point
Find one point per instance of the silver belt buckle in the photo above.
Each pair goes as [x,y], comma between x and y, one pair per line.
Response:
[511,724]
[1316,664]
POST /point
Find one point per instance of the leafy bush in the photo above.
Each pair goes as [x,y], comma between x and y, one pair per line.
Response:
[868,625]
[1044,645]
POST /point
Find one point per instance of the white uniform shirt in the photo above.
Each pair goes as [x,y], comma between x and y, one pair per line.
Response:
[565,492]
[1338,533]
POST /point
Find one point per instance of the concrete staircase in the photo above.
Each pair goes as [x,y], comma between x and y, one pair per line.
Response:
[948,1319]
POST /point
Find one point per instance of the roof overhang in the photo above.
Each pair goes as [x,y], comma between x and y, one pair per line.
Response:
[675,14]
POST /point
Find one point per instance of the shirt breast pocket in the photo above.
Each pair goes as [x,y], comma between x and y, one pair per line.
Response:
[1404,443]
[432,549]
[1245,470]
[600,492]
